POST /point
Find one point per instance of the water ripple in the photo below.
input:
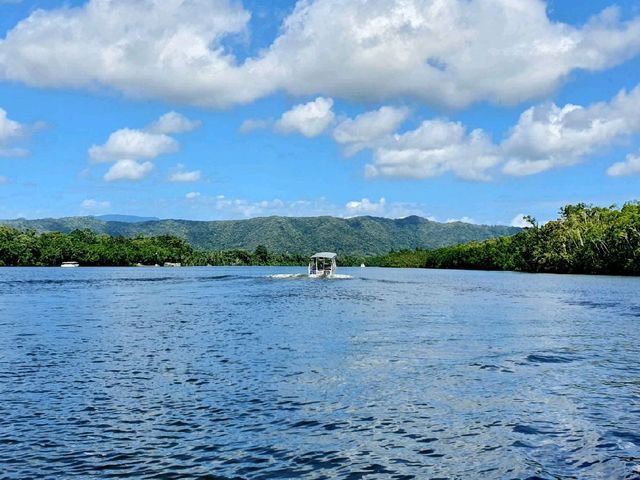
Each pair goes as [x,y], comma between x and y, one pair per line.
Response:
[230,373]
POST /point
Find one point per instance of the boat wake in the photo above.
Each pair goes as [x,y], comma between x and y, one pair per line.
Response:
[294,276]
[287,276]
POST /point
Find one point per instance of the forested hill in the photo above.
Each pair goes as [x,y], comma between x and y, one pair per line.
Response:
[585,239]
[351,236]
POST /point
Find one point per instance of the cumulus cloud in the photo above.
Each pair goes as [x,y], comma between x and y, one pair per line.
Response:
[464,219]
[631,166]
[519,221]
[193,176]
[448,53]
[452,53]
[548,136]
[12,131]
[181,175]
[310,119]
[545,137]
[133,144]
[128,170]
[9,129]
[173,122]
[127,147]
[252,124]
[368,129]
[150,48]
[366,207]
[93,205]
[434,148]
[223,207]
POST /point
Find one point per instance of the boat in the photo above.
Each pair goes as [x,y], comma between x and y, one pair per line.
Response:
[69,264]
[172,264]
[362,265]
[322,264]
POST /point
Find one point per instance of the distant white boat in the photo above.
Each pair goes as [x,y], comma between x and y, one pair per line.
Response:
[322,264]
[70,264]
[172,264]
[362,265]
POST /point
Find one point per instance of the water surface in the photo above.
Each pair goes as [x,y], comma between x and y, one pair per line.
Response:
[232,373]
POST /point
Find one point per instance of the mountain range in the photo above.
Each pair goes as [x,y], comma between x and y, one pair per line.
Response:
[353,236]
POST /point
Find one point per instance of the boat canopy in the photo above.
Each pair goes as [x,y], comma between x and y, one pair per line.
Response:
[325,255]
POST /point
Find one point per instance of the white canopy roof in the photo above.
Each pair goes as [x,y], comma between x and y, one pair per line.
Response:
[325,255]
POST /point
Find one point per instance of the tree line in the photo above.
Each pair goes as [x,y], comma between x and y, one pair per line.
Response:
[584,239]
[30,248]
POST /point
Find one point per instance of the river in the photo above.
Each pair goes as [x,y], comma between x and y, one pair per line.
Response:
[258,373]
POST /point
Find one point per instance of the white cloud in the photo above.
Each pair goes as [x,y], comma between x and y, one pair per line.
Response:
[548,136]
[14,152]
[128,170]
[127,147]
[434,148]
[133,144]
[450,53]
[252,124]
[369,128]
[93,205]
[166,49]
[180,175]
[545,137]
[9,129]
[460,220]
[232,208]
[193,176]
[631,166]
[223,207]
[10,132]
[366,207]
[173,122]
[310,119]
[519,221]
[313,118]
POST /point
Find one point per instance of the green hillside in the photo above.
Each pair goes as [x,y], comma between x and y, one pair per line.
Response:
[352,236]
[584,239]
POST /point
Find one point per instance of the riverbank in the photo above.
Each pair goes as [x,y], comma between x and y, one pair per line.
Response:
[585,240]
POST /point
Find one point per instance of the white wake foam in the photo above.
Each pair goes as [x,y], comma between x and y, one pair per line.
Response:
[288,276]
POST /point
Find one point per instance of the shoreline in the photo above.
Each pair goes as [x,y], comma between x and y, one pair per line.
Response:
[369,267]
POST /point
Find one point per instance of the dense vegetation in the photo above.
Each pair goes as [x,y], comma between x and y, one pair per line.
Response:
[585,239]
[29,248]
[360,236]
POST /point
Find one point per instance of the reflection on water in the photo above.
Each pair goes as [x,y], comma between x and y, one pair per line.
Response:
[239,373]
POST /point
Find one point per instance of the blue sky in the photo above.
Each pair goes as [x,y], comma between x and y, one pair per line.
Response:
[214,109]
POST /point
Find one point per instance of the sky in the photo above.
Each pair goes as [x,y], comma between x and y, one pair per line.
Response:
[473,110]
